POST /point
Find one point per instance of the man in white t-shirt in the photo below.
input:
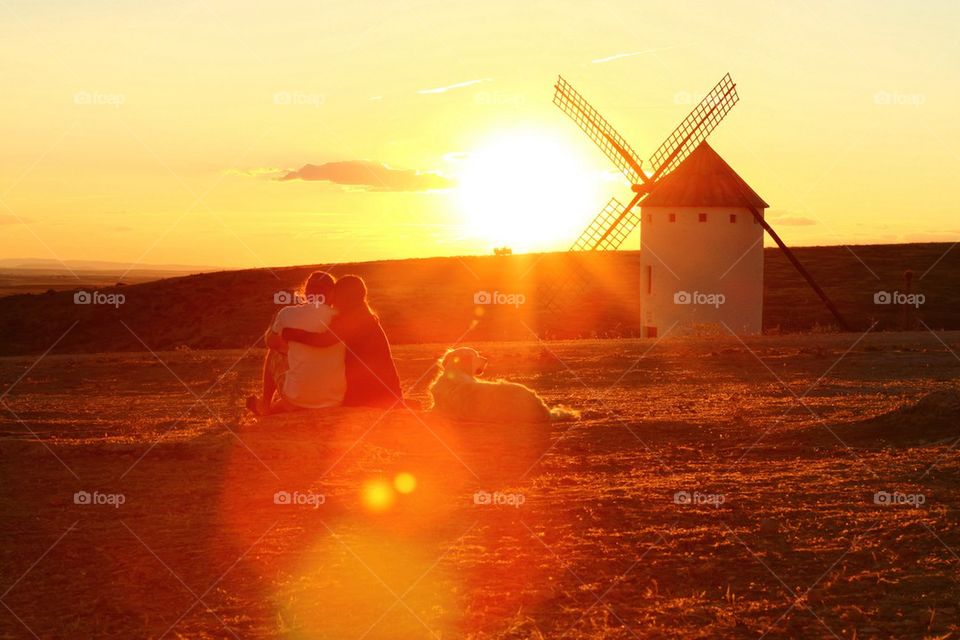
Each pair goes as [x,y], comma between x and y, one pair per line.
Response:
[303,377]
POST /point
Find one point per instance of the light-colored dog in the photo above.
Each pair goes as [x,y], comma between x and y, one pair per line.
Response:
[458,394]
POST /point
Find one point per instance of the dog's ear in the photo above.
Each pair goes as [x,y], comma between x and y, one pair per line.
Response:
[446,360]
[480,363]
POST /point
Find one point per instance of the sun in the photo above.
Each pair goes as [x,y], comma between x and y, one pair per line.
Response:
[526,190]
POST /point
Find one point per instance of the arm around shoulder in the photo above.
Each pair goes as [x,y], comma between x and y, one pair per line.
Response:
[325,339]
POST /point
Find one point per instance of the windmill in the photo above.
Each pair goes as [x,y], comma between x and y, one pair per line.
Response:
[615,221]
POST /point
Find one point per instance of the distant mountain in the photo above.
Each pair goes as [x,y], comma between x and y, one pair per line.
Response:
[47,264]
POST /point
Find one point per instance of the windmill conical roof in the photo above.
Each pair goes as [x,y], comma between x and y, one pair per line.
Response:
[703,179]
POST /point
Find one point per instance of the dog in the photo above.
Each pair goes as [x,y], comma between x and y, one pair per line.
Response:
[456,393]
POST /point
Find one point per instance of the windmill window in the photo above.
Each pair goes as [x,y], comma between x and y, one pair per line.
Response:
[649,217]
[703,217]
[649,279]
[673,217]
[733,217]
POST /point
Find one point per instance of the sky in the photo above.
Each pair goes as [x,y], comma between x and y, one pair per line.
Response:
[247,134]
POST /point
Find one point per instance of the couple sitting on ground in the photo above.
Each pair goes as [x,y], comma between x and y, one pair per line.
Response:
[327,350]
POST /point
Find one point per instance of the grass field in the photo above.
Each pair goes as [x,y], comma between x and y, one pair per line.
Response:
[713,488]
[432,300]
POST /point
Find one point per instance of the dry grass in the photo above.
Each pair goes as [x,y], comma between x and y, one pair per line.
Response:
[599,548]
[432,300]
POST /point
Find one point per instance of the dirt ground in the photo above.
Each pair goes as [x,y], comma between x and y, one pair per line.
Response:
[780,487]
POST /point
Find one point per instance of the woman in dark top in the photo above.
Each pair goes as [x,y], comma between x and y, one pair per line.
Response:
[372,379]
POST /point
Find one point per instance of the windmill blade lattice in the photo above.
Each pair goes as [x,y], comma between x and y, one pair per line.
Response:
[695,127]
[609,228]
[599,130]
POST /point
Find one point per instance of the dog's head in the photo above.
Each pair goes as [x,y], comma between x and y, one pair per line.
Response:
[463,360]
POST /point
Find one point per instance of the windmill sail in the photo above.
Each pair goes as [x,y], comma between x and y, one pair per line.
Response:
[599,130]
[609,228]
[695,127]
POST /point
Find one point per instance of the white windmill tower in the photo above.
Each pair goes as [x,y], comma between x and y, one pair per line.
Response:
[702,255]
[702,225]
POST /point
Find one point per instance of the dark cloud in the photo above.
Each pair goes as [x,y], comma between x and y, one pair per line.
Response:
[370,176]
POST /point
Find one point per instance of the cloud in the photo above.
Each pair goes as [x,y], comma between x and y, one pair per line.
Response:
[257,172]
[456,156]
[785,218]
[370,176]
[8,219]
[795,221]
[451,87]
[629,54]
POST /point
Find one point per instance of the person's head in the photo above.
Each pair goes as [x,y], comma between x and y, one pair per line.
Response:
[319,287]
[350,294]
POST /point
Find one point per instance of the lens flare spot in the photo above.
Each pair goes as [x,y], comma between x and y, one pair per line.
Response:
[405,482]
[378,495]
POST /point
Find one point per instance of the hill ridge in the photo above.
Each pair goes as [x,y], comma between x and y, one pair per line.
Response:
[433,300]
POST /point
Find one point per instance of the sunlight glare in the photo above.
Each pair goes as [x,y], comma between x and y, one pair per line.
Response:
[526,190]
[378,495]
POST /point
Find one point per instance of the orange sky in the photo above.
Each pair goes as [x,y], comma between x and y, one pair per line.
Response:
[157,132]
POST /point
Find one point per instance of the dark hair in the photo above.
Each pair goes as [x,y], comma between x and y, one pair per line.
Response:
[351,294]
[319,283]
